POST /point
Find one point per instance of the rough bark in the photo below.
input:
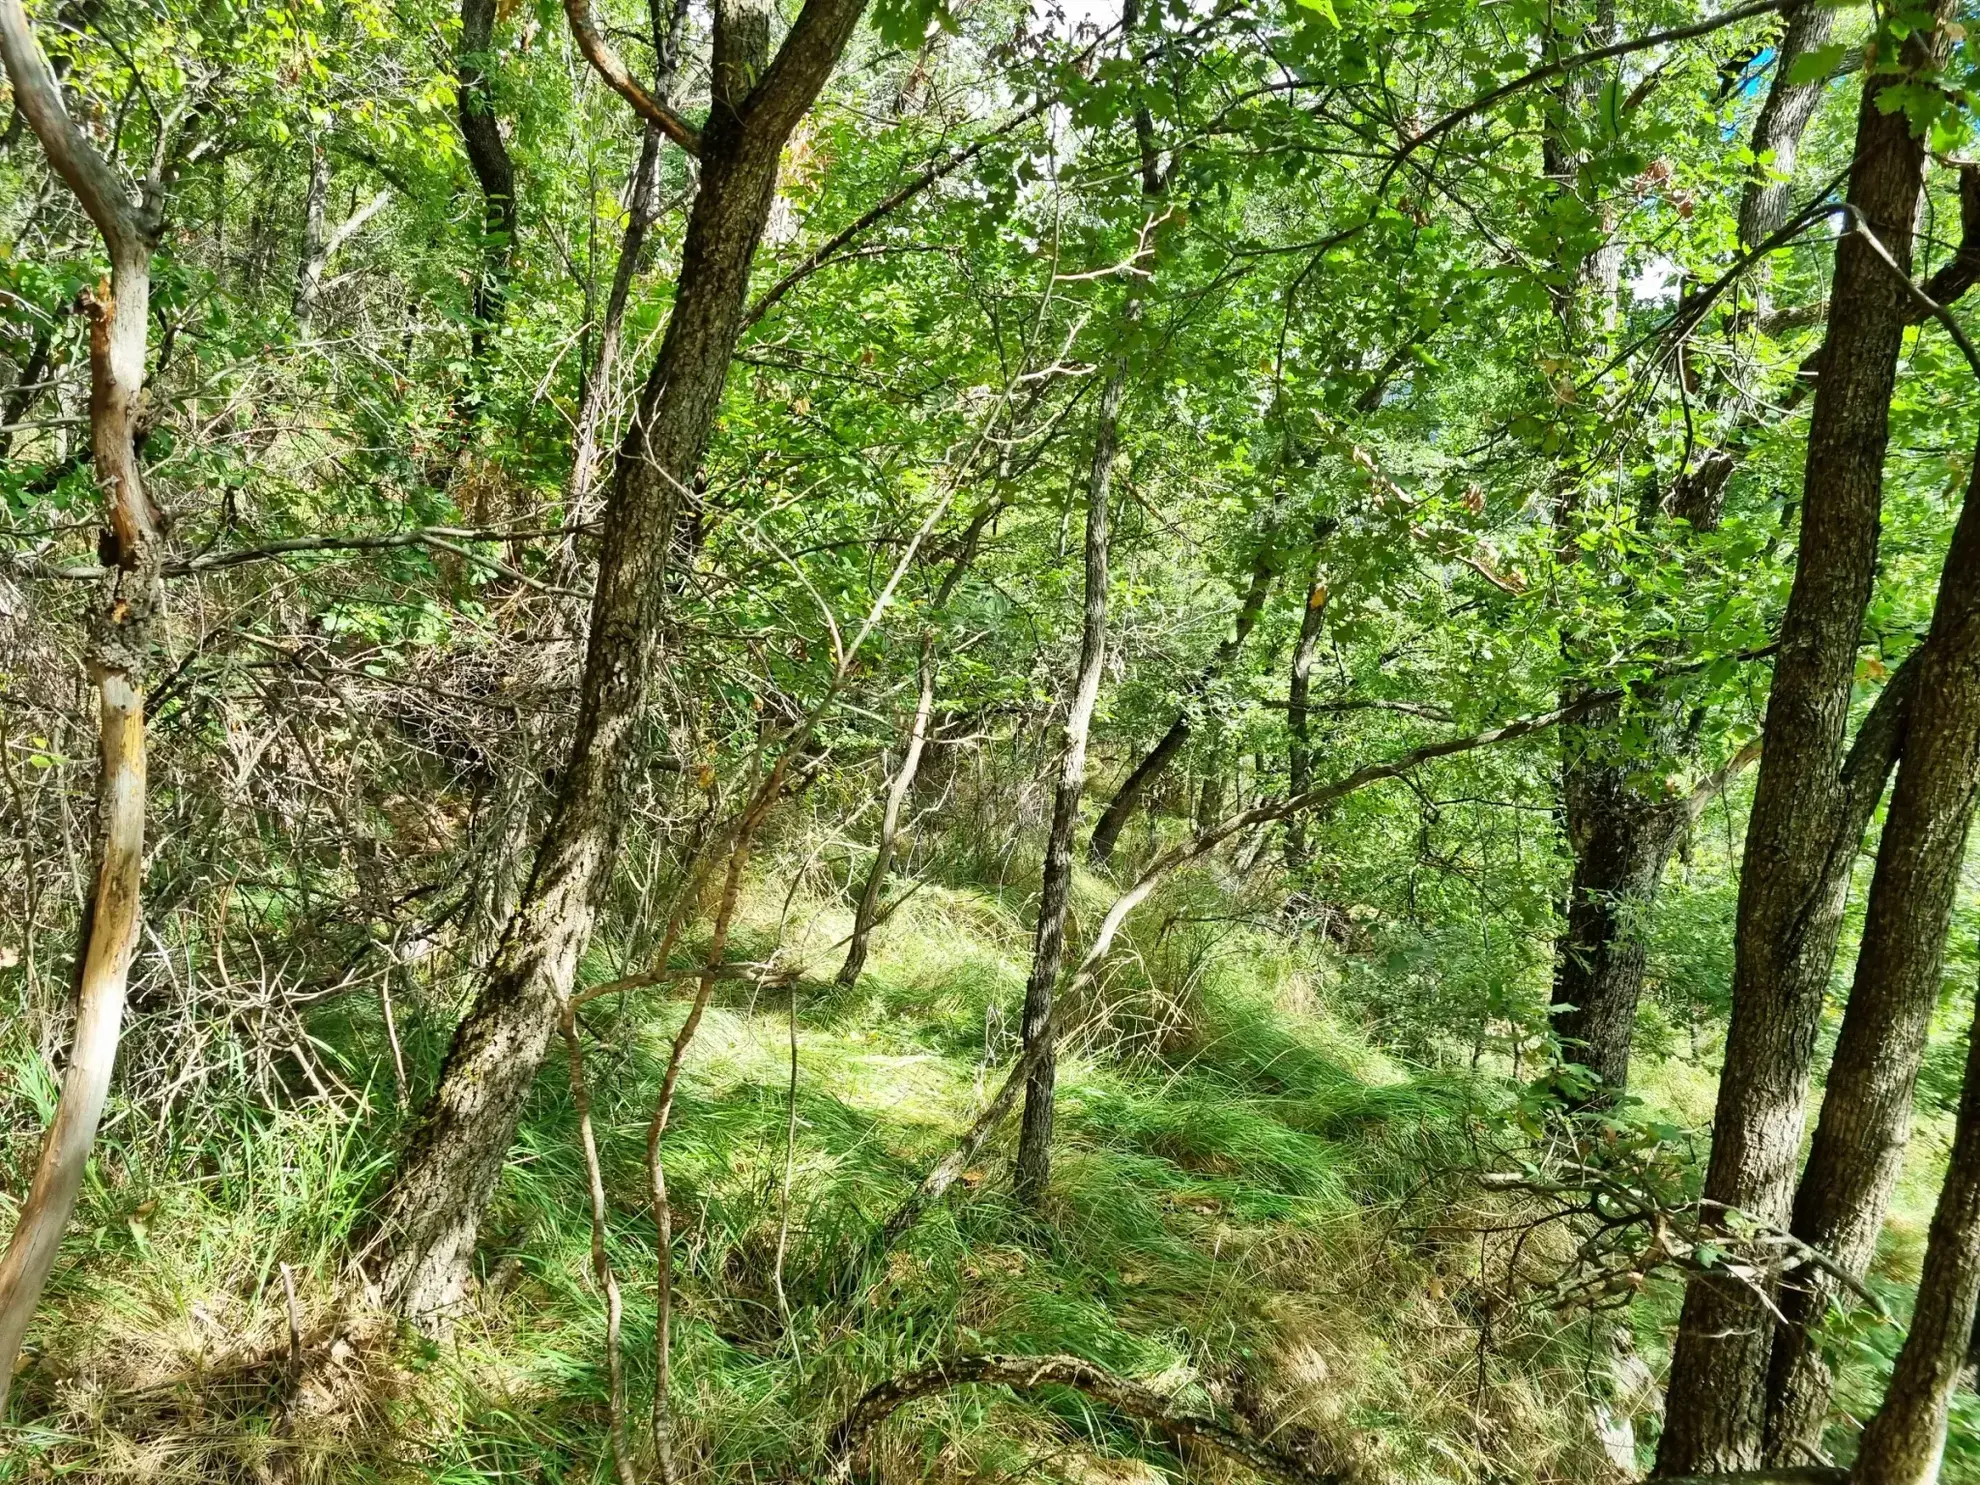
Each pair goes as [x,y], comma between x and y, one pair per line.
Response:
[1903,1442]
[1802,830]
[115,657]
[1784,118]
[1034,1154]
[431,1209]
[1107,832]
[1299,689]
[1622,837]
[1622,828]
[1865,1123]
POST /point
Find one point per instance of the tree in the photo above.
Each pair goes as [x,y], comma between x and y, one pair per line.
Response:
[118,311]
[1809,810]
[431,1209]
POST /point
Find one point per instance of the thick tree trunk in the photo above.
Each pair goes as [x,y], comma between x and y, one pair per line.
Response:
[1903,1442]
[115,656]
[1859,1144]
[1804,828]
[431,1210]
[1299,690]
[1622,839]
[1034,1154]
[1107,832]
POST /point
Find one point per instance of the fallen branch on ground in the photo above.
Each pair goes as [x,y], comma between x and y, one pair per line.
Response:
[1030,1373]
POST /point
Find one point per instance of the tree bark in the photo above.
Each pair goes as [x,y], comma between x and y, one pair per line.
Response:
[1107,832]
[1784,118]
[1903,1442]
[1299,746]
[431,1209]
[115,657]
[1865,1124]
[642,209]
[495,173]
[1804,826]
[1034,1154]
[867,914]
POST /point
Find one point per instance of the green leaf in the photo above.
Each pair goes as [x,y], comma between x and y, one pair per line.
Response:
[1814,66]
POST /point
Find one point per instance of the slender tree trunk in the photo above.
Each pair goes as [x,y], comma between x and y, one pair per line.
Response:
[1859,1144]
[898,787]
[115,657]
[902,784]
[1107,832]
[1299,689]
[1621,829]
[430,1211]
[642,209]
[495,173]
[1034,1153]
[1904,1441]
[29,385]
[309,264]
[1804,826]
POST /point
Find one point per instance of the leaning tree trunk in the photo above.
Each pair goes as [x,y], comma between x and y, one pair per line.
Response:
[642,209]
[1034,1154]
[1859,1144]
[115,656]
[1107,832]
[431,1209]
[1903,1442]
[1804,826]
[867,914]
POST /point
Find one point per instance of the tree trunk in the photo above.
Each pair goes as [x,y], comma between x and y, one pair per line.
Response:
[642,208]
[1805,827]
[309,264]
[431,1209]
[1784,118]
[1107,833]
[1299,747]
[115,656]
[1859,1144]
[1034,1154]
[1622,839]
[902,784]
[898,787]
[495,172]
[1904,1441]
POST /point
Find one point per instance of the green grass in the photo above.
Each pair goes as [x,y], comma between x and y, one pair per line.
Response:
[1227,1220]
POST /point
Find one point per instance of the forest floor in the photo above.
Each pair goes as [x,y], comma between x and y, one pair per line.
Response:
[1252,1208]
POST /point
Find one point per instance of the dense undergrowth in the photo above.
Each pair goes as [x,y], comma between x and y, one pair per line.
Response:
[1264,1205]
